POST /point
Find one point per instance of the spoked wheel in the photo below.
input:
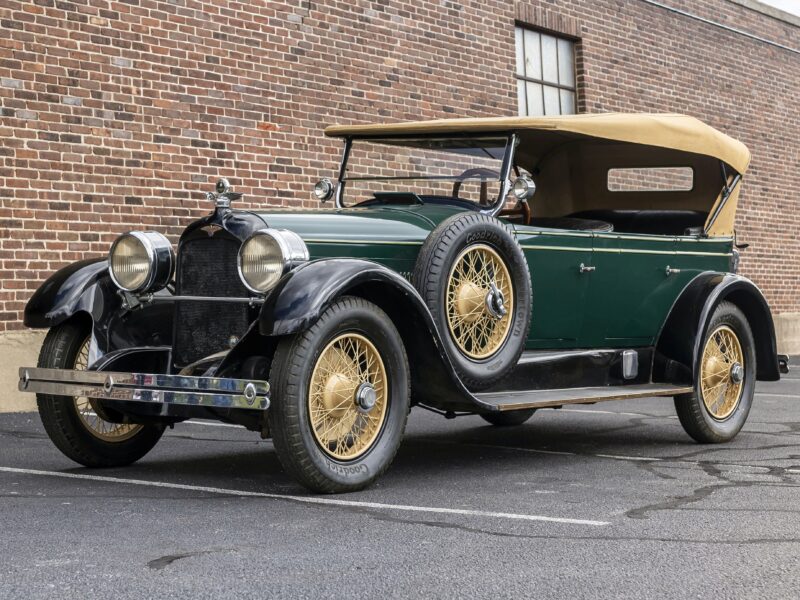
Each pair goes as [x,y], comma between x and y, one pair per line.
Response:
[480,301]
[725,379]
[87,409]
[348,397]
[75,425]
[722,373]
[341,391]
[472,275]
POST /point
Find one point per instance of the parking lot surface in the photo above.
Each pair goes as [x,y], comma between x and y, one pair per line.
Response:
[608,500]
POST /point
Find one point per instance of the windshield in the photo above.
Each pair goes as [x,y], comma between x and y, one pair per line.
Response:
[407,170]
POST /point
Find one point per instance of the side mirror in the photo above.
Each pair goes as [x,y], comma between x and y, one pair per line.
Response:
[524,188]
[323,190]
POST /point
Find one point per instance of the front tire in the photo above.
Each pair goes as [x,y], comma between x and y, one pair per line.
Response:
[341,392]
[725,379]
[73,424]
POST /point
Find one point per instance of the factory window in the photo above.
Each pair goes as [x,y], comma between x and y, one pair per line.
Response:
[545,73]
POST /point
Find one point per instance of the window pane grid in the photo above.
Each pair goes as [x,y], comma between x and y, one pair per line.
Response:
[545,73]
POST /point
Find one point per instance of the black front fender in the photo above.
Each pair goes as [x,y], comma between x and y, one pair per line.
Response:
[68,291]
[85,288]
[685,329]
[303,295]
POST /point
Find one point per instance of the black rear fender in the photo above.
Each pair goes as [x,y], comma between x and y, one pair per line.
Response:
[682,335]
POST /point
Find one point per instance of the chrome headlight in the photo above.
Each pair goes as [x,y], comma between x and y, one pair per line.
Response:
[267,255]
[141,261]
[524,188]
[323,189]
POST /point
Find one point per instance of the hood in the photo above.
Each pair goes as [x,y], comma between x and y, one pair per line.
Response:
[378,224]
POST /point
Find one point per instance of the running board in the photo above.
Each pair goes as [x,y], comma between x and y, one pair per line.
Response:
[518,400]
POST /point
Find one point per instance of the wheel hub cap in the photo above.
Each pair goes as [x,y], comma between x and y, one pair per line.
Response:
[737,373]
[338,391]
[469,301]
[366,397]
[496,302]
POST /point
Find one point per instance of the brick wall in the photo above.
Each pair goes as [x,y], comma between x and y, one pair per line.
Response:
[119,114]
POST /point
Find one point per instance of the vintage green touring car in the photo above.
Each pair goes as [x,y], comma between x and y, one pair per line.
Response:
[488,266]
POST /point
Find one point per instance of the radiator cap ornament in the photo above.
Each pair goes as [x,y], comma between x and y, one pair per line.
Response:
[223,195]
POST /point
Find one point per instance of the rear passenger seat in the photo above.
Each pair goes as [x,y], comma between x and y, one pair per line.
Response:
[576,224]
[659,222]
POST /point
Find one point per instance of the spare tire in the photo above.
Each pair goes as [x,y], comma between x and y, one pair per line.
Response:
[472,274]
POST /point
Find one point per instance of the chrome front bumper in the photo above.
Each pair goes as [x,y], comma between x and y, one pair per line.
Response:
[149,388]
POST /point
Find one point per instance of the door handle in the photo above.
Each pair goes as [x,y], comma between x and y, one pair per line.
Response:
[670,271]
[585,269]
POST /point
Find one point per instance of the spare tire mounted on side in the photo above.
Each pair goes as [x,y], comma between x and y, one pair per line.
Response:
[472,274]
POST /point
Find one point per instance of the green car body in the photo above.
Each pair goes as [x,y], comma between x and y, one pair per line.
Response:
[610,308]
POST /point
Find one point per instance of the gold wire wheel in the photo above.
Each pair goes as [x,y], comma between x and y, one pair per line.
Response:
[98,427]
[479,301]
[347,397]
[722,373]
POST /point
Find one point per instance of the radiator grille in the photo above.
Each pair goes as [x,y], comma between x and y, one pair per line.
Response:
[207,267]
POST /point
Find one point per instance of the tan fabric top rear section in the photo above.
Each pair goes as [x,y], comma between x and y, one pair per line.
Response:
[673,131]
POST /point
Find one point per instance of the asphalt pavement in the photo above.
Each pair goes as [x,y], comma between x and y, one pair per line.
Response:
[611,500]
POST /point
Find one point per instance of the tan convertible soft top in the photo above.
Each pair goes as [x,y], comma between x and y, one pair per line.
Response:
[571,155]
[673,131]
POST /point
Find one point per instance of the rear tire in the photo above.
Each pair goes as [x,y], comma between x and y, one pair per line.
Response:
[109,444]
[326,435]
[718,408]
[510,418]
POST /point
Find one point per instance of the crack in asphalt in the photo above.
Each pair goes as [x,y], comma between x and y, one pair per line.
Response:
[642,461]
[163,562]
[701,493]
[615,538]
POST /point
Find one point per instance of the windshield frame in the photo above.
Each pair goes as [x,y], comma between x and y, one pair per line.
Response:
[505,170]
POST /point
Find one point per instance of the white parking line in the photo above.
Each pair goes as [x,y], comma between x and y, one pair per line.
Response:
[311,499]
[626,457]
[212,424]
[612,412]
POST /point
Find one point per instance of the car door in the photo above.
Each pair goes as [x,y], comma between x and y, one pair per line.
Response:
[635,281]
[559,288]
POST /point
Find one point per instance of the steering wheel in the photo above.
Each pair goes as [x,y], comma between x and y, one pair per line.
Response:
[474,173]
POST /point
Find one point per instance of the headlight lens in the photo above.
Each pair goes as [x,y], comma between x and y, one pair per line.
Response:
[141,261]
[267,255]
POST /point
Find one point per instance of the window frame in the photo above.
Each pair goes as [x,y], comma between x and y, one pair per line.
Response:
[557,85]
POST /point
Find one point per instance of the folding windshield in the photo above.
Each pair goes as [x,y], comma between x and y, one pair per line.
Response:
[428,169]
